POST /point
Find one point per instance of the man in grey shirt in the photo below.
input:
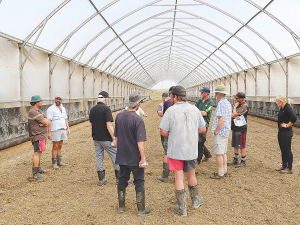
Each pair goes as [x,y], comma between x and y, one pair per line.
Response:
[181,123]
[164,140]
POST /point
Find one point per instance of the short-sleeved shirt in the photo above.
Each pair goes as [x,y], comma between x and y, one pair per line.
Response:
[57,117]
[167,104]
[207,107]
[182,121]
[223,109]
[99,115]
[242,110]
[36,132]
[129,129]
[160,108]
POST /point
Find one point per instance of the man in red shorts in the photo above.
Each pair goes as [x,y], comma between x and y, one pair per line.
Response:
[38,133]
[181,123]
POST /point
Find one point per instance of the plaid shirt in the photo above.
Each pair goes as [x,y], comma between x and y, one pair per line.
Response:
[223,109]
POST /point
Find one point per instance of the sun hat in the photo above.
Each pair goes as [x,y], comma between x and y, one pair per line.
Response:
[221,89]
[179,91]
[205,89]
[134,99]
[240,95]
[36,98]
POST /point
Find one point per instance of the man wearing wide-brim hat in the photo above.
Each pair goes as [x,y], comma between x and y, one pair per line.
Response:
[130,136]
[38,134]
[221,130]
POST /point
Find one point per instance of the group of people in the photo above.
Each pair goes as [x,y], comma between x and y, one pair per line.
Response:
[181,123]
[183,135]
[54,126]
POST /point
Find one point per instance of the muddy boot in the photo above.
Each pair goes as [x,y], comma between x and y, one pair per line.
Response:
[196,200]
[121,197]
[54,163]
[140,201]
[102,180]
[59,162]
[164,176]
[234,161]
[242,163]
[36,174]
[181,207]
[42,171]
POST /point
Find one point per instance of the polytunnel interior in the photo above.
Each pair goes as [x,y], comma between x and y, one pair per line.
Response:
[79,47]
[140,43]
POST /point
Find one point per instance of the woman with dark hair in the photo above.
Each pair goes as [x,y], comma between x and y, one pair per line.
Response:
[286,119]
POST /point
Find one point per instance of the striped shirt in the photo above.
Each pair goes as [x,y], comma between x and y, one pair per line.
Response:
[223,109]
[36,132]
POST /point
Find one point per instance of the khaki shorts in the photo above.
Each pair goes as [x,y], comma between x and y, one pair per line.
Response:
[220,144]
[59,135]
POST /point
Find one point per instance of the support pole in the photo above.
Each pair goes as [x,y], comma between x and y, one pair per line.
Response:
[50,79]
[83,82]
[269,82]
[69,83]
[21,74]
[94,80]
[245,83]
[255,80]
[287,78]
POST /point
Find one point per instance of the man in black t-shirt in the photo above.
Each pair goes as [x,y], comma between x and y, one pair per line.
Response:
[103,135]
[239,113]
[130,136]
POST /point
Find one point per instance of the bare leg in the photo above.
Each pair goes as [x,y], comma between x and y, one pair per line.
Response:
[178,176]
[36,159]
[165,159]
[192,181]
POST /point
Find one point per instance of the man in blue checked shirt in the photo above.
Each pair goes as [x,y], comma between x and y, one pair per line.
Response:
[221,130]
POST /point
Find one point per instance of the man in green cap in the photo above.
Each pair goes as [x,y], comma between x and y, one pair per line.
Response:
[37,124]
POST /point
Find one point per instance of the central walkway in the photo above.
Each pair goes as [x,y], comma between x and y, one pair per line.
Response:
[255,194]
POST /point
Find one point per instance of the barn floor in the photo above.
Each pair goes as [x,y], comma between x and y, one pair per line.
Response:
[255,194]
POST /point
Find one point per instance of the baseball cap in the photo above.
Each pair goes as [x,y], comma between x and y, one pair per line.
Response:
[165,94]
[179,91]
[134,99]
[59,96]
[240,95]
[36,98]
[205,89]
[103,94]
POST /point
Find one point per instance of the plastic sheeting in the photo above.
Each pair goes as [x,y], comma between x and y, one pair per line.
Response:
[191,42]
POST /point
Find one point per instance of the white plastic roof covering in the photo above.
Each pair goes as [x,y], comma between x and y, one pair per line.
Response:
[187,41]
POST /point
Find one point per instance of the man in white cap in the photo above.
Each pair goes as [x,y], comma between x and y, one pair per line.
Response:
[130,136]
[103,135]
[59,129]
[221,130]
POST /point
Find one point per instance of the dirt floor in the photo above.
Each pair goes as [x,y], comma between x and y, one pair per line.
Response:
[255,194]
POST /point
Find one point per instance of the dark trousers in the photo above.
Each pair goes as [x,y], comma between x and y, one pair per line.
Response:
[138,174]
[285,144]
[201,147]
